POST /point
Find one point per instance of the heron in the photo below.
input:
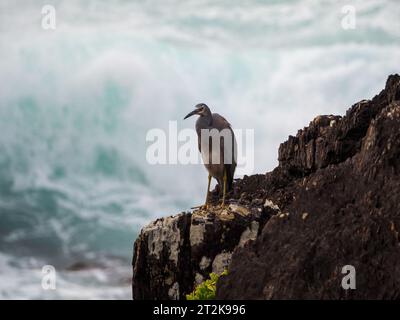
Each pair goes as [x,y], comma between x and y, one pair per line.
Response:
[217,146]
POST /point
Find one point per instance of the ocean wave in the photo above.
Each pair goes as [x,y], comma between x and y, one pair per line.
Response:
[22,279]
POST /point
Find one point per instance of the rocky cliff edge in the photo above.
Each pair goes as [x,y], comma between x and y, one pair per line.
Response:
[333,200]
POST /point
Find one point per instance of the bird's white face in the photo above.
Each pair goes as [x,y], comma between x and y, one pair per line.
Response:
[202,110]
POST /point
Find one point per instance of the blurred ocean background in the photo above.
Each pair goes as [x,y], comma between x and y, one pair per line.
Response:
[76,104]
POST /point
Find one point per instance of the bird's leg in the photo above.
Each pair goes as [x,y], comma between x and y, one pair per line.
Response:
[224,188]
[208,191]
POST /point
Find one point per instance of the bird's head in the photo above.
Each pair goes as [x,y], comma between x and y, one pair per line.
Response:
[201,109]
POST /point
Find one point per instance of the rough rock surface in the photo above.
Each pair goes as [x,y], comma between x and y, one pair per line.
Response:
[173,254]
[332,201]
[339,182]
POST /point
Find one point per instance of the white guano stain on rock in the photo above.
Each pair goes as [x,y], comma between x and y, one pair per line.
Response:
[204,263]
[197,234]
[270,204]
[249,234]
[243,211]
[198,278]
[221,262]
[164,232]
[173,292]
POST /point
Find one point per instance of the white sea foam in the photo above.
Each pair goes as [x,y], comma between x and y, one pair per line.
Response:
[23,280]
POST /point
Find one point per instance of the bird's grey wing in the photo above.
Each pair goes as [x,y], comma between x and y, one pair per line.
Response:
[230,150]
[219,122]
[230,167]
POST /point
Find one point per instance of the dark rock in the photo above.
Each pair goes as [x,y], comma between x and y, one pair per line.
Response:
[347,187]
[173,254]
[332,201]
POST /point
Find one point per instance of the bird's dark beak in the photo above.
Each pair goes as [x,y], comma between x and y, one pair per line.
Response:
[191,114]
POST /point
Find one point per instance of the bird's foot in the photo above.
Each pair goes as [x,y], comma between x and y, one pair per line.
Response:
[223,205]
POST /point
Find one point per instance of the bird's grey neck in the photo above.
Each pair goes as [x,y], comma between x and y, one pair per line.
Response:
[204,121]
[207,118]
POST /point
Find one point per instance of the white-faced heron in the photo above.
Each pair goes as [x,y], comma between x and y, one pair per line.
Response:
[217,146]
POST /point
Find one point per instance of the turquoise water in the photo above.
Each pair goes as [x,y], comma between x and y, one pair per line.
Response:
[76,104]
